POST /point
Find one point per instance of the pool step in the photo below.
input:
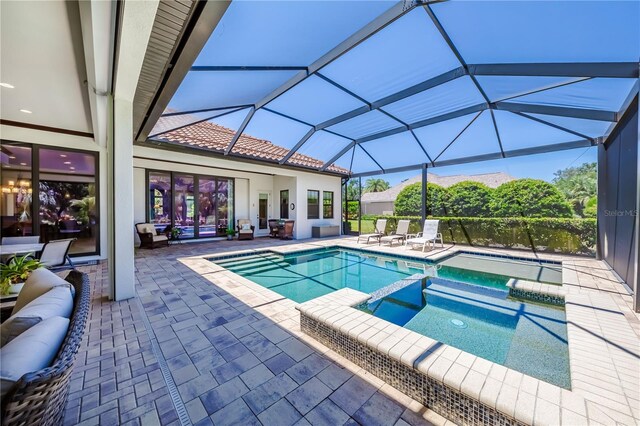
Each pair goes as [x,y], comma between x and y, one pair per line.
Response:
[249,260]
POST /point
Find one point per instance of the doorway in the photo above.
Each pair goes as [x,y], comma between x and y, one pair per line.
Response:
[263,210]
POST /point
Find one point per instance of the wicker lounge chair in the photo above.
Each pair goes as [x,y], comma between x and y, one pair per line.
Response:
[381,225]
[245,229]
[149,237]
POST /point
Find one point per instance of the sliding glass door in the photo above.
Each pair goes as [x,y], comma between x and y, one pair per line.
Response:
[205,212]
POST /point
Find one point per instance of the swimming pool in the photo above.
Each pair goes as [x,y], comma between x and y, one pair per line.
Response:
[306,275]
[461,300]
[527,337]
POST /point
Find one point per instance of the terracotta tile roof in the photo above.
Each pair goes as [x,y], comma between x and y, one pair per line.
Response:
[216,138]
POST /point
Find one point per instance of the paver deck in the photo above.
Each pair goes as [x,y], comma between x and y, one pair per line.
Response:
[230,363]
[235,353]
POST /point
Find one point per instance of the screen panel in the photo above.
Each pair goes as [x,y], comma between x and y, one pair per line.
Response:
[572,31]
[405,53]
[436,137]
[365,125]
[396,151]
[517,132]
[500,87]
[479,139]
[289,33]
[452,96]
[213,89]
[314,100]
[276,129]
[323,146]
[592,128]
[607,94]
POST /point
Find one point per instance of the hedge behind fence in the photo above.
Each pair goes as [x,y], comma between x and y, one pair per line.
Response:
[575,236]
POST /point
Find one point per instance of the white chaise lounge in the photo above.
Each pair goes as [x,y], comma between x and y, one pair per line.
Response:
[380,227]
[399,235]
[429,235]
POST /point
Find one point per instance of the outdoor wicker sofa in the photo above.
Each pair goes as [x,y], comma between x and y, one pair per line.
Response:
[39,397]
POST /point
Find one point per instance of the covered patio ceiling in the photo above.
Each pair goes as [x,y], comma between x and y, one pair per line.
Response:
[373,87]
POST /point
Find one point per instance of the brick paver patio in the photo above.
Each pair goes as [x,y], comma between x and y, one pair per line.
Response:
[227,363]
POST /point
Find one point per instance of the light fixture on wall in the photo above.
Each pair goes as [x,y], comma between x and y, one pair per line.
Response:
[23,186]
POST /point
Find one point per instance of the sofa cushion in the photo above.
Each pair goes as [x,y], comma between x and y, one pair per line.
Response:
[39,282]
[146,228]
[160,238]
[31,351]
[57,302]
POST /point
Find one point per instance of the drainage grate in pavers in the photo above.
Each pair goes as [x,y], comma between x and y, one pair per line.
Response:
[178,404]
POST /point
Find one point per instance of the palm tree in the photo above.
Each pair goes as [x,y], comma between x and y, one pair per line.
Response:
[376,185]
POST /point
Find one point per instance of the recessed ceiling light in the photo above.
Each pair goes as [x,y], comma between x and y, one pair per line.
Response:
[67,162]
[63,155]
[7,85]
[26,111]
[13,157]
[23,164]
[72,168]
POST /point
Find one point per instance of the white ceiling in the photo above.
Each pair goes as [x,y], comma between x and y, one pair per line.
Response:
[42,56]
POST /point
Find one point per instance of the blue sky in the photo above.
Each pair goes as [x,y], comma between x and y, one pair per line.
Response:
[541,166]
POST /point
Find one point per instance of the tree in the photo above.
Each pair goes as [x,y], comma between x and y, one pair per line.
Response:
[529,198]
[375,185]
[353,192]
[409,200]
[469,199]
[578,184]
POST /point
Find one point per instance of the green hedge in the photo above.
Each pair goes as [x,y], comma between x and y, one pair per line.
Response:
[571,236]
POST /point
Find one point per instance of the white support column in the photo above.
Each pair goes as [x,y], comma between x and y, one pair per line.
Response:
[120,210]
[136,24]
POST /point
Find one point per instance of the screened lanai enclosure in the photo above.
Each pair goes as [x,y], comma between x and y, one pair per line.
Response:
[363,88]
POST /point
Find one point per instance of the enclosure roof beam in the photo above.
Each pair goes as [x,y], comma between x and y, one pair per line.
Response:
[582,143]
[577,69]
[195,122]
[587,114]
[240,130]
[337,156]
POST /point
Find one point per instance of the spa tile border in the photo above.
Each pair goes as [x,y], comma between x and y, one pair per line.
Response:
[537,292]
[460,386]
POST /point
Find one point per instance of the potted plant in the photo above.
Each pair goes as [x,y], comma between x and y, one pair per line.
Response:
[230,234]
[14,273]
[175,233]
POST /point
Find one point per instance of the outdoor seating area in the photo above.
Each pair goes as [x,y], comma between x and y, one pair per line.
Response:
[289,213]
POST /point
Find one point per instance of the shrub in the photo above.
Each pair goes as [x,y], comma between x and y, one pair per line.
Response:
[469,199]
[529,198]
[353,209]
[591,208]
[409,200]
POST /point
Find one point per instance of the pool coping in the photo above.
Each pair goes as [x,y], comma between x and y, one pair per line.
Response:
[604,368]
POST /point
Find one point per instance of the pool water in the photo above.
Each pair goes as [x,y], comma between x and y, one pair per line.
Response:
[527,337]
[464,303]
[305,276]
